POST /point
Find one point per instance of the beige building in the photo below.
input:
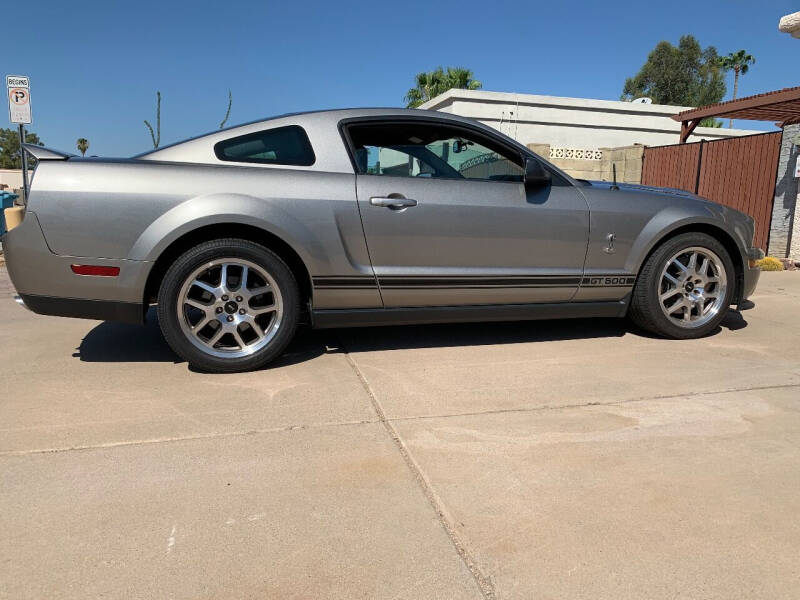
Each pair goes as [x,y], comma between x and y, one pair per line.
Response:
[585,137]
[12,178]
[577,123]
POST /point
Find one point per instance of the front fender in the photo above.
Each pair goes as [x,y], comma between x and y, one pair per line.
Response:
[674,218]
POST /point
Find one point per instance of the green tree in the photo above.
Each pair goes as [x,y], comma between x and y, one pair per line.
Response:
[432,83]
[738,62]
[10,157]
[156,135]
[682,75]
[83,145]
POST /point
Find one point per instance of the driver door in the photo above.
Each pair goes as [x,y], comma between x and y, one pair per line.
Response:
[449,222]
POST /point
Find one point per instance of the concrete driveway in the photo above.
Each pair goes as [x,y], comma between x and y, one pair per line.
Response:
[570,459]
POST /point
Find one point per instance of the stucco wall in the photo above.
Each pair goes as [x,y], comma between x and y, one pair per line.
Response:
[628,160]
[579,123]
[11,177]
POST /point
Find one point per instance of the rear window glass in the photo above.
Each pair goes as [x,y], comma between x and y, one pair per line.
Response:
[279,146]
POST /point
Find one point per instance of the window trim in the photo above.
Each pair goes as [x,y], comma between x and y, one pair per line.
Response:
[222,144]
[344,130]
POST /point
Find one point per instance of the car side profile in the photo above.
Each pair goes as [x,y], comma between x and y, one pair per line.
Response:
[363,217]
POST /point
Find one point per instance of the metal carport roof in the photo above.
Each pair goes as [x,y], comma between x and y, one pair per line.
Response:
[781,106]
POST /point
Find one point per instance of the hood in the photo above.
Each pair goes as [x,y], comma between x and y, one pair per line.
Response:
[736,219]
[652,189]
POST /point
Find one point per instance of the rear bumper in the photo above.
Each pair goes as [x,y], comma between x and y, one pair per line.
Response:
[751,277]
[47,285]
[101,310]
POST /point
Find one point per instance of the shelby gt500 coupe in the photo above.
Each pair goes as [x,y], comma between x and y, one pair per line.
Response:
[363,217]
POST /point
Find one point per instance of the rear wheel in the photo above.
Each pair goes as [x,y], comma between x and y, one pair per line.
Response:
[684,288]
[228,305]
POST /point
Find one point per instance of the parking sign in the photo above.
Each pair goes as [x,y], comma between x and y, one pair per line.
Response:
[19,99]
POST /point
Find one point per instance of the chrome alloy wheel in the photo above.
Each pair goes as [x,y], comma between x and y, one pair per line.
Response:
[692,287]
[230,308]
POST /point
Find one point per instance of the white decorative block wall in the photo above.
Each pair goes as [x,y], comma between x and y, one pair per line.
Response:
[576,153]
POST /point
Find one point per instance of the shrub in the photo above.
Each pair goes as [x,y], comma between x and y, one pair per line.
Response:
[769,263]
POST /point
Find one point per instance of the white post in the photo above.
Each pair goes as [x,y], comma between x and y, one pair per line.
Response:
[791,24]
[24,155]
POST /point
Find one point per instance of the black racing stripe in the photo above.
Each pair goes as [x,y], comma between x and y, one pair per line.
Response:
[473,282]
[345,278]
[344,282]
[462,281]
[475,287]
[461,275]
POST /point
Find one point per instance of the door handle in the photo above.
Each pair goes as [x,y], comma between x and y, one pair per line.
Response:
[393,203]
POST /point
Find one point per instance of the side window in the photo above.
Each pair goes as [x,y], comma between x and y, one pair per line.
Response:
[475,161]
[431,150]
[279,146]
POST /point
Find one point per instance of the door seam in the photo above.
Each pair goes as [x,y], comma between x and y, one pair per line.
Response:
[366,242]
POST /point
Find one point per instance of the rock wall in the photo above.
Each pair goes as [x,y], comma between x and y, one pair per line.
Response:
[783,210]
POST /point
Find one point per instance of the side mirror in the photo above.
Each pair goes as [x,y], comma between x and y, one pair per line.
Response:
[535,174]
[460,146]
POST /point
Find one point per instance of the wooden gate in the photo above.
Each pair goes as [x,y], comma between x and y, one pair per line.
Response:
[738,172]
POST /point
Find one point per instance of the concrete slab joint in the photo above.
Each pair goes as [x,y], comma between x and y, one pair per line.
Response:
[483,581]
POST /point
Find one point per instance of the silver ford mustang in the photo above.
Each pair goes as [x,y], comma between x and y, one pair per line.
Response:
[363,217]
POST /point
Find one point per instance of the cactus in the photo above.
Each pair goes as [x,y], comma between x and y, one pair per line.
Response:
[156,136]
[228,112]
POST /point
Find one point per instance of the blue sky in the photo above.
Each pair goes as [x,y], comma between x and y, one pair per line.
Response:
[95,66]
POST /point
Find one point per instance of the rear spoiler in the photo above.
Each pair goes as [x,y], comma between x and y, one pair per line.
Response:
[42,153]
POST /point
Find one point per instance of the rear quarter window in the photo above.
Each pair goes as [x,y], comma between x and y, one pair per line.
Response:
[279,146]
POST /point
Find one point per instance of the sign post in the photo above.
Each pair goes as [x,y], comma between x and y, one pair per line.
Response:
[19,111]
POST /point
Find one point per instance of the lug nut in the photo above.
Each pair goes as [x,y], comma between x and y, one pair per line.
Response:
[238,298]
[219,309]
[230,318]
[224,298]
[241,311]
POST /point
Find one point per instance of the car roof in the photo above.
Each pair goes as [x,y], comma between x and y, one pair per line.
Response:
[334,115]
[322,128]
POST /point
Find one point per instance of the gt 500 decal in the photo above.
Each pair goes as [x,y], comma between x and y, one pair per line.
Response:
[608,281]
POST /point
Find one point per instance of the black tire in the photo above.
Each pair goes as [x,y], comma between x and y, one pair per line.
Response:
[645,307]
[216,250]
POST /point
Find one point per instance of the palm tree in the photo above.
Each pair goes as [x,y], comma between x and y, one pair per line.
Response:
[738,62]
[427,85]
[461,79]
[432,83]
[83,145]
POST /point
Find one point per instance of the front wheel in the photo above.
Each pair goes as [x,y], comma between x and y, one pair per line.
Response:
[228,305]
[684,288]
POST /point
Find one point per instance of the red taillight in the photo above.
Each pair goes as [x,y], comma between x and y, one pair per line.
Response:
[95,270]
